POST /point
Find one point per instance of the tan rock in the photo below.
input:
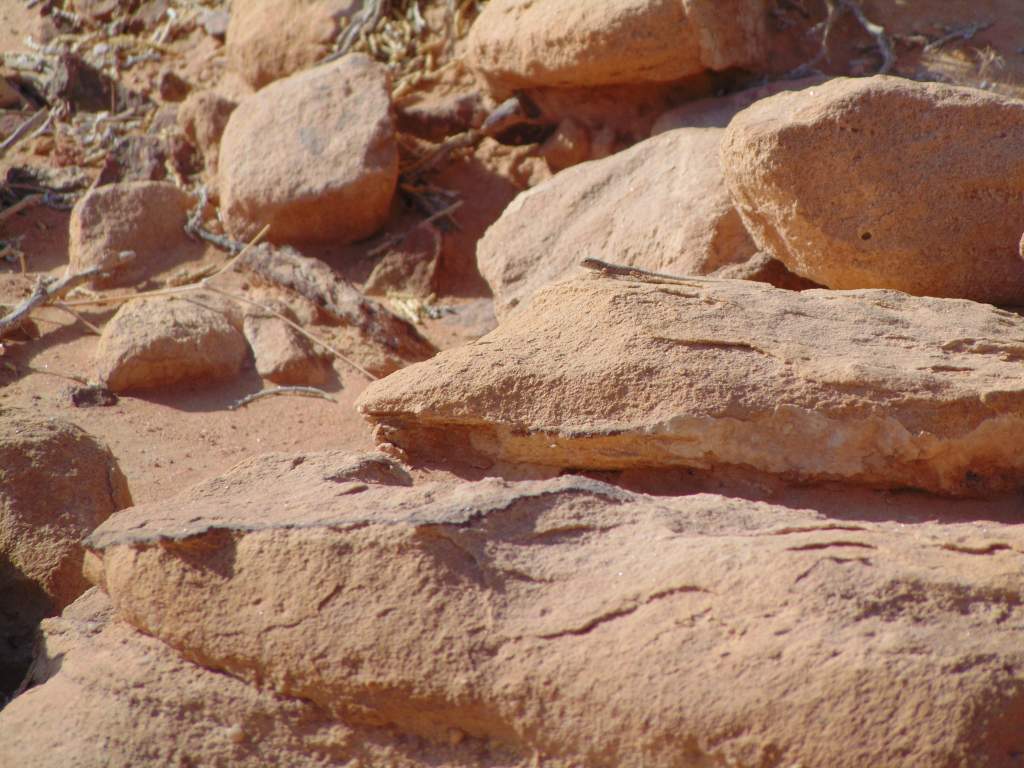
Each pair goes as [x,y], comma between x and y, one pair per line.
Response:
[202,117]
[661,205]
[268,41]
[57,483]
[314,156]
[569,145]
[282,354]
[364,330]
[530,43]
[158,342]
[886,183]
[607,373]
[562,618]
[409,268]
[10,98]
[144,217]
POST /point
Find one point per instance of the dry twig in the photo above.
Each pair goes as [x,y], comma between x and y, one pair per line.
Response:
[296,390]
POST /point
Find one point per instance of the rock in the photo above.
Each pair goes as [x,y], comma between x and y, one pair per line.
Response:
[145,217]
[215,22]
[172,86]
[454,103]
[158,342]
[602,373]
[135,158]
[10,97]
[87,89]
[523,43]
[562,618]
[149,16]
[282,354]
[762,268]
[268,41]
[57,483]
[314,156]
[203,116]
[97,11]
[410,267]
[661,205]
[930,194]
[369,334]
[569,145]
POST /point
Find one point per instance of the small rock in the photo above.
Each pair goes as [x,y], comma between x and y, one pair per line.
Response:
[762,268]
[149,16]
[605,373]
[10,97]
[145,217]
[92,396]
[569,145]
[215,22]
[135,158]
[41,530]
[202,117]
[86,88]
[661,205]
[159,342]
[282,354]
[270,40]
[883,182]
[314,156]
[410,268]
[522,44]
[97,11]
[172,87]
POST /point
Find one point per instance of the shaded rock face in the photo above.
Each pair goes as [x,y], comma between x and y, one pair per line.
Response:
[882,182]
[57,483]
[562,619]
[146,217]
[202,117]
[661,205]
[607,373]
[531,43]
[313,156]
[157,342]
[267,41]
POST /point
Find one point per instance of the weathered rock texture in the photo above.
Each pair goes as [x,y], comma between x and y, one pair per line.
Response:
[886,183]
[869,387]
[661,205]
[145,217]
[571,621]
[280,352]
[361,328]
[313,156]
[57,483]
[157,342]
[202,117]
[529,43]
[267,41]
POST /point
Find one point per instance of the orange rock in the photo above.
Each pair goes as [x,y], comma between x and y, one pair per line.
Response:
[531,43]
[661,205]
[268,41]
[202,117]
[868,387]
[314,156]
[886,183]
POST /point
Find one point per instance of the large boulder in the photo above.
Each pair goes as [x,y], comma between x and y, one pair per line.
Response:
[531,43]
[57,483]
[870,387]
[886,183]
[313,155]
[661,205]
[157,342]
[558,621]
[145,217]
[267,41]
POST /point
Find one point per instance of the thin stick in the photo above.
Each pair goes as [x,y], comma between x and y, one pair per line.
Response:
[77,315]
[40,118]
[393,240]
[25,202]
[302,391]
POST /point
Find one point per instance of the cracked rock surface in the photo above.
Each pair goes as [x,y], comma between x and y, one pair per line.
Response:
[548,619]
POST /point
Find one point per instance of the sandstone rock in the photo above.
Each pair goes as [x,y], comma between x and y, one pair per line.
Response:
[530,43]
[762,268]
[10,98]
[569,145]
[368,333]
[57,483]
[409,267]
[268,41]
[313,156]
[161,341]
[146,217]
[562,618]
[661,205]
[281,353]
[203,116]
[886,183]
[602,373]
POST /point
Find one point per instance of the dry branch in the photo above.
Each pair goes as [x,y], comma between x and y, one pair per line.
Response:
[301,391]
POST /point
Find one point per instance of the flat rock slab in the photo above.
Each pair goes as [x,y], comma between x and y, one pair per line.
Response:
[883,182]
[869,387]
[575,622]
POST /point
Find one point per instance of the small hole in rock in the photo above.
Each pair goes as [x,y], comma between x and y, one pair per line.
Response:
[865,236]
